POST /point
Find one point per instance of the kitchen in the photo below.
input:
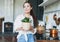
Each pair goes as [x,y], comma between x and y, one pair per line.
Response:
[12,8]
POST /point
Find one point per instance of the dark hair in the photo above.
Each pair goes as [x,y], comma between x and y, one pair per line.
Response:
[32,14]
[27,2]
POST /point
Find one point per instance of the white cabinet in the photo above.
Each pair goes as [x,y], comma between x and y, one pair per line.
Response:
[47,2]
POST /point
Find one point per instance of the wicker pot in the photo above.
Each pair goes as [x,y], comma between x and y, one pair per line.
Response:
[26,26]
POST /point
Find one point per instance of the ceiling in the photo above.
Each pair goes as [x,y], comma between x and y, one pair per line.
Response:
[47,2]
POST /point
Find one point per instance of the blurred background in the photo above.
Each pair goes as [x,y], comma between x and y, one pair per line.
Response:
[10,9]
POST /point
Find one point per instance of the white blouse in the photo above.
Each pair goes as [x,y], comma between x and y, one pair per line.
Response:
[18,24]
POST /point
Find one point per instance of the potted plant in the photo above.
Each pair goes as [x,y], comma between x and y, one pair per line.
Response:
[26,23]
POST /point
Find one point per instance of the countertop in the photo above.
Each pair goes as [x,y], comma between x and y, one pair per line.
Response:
[47,40]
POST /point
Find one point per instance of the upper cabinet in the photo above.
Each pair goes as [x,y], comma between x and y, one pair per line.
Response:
[47,2]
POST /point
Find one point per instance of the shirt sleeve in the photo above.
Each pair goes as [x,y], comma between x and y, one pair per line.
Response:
[17,23]
[32,24]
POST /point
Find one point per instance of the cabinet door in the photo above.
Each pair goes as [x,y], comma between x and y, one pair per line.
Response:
[14,39]
[8,39]
[0,39]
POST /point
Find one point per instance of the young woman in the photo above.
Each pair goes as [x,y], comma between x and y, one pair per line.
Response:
[25,35]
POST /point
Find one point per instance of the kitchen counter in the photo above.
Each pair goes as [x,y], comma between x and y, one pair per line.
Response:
[8,37]
[8,34]
[11,37]
[47,40]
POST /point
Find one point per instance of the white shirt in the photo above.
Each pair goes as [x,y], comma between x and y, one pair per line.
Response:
[18,24]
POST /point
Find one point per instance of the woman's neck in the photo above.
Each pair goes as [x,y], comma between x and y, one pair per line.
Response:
[27,14]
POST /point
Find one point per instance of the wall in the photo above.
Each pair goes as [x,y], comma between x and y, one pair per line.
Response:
[9,9]
[53,7]
[2,8]
[6,9]
[18,7]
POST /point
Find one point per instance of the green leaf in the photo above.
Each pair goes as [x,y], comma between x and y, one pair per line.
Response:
[26,20]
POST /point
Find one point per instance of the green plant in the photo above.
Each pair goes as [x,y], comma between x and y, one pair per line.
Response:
[26,20]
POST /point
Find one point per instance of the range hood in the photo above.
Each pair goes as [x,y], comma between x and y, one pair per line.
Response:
[47,2]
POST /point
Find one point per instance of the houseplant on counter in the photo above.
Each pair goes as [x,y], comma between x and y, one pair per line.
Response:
[26,23]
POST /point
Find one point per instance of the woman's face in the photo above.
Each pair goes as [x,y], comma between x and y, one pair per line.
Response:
[27,8]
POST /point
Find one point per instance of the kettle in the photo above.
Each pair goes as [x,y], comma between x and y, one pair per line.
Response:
[54,32]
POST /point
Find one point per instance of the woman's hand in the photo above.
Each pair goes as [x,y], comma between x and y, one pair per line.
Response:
[31,29]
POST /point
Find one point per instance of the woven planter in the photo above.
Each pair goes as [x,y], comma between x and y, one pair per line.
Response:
[26,26]
[26,23]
